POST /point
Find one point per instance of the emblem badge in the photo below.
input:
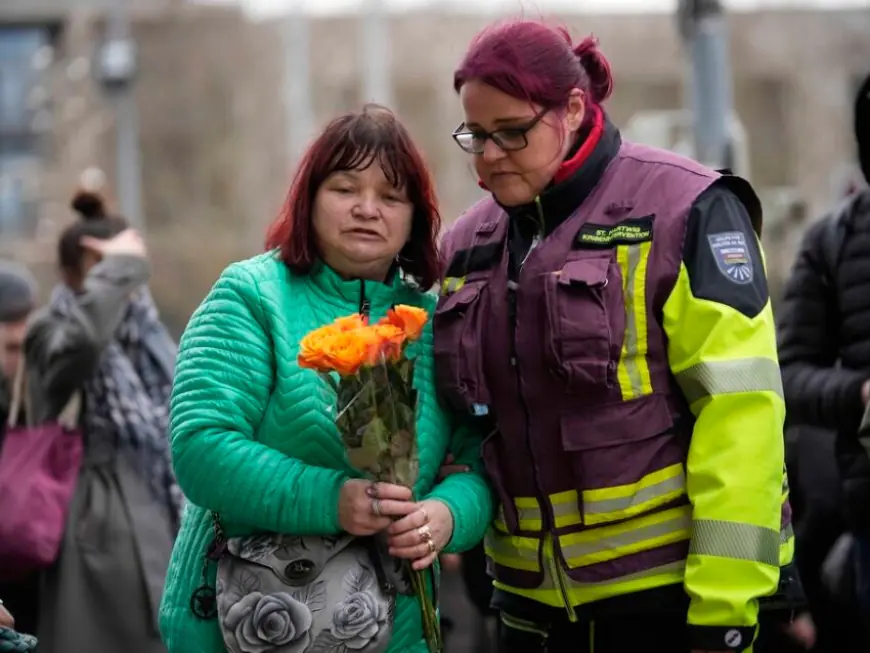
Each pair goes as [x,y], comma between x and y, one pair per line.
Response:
[732,256]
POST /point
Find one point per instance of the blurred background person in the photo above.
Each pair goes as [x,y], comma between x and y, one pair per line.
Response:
[18,299]
[18,290]
[824,346]
[101,335]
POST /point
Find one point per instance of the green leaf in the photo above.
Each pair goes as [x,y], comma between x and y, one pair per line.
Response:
[376,437]
[365,461]
[402,444]
[405,471]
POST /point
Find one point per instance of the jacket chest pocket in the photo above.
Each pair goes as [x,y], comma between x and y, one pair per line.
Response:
[458,323]
[586,321]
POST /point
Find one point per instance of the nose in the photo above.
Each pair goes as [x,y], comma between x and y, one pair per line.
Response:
[367,206]
[492,152]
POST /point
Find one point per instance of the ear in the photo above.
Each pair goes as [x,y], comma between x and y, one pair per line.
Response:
[576,110]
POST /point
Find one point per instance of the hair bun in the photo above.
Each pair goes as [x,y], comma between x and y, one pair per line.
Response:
[597,68]
[89,205]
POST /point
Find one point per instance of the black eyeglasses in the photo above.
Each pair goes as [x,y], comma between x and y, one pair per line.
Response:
[509,139]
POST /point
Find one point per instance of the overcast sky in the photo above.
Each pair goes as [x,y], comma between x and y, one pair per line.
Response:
[273,7]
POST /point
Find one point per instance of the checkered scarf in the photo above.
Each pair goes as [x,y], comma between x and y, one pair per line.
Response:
[128,396]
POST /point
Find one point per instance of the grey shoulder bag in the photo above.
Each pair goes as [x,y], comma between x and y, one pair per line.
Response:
[288,594]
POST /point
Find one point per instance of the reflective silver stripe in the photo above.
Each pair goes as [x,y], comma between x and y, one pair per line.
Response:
[725,539]
[604,506]
[524,515]
[501,548]
[452,284]
[786,534]
[627,538]
[549,583]
[725,377]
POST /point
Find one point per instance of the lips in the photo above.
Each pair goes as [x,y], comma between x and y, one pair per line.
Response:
[367,233]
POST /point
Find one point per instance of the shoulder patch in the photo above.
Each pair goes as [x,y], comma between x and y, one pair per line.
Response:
[732,256]
[627,232]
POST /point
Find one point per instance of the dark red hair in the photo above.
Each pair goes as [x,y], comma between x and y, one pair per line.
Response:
[530,60]
[353,142]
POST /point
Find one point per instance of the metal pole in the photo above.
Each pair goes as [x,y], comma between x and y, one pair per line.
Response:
[297,80]
[704,29]
[377,82]
[120,46]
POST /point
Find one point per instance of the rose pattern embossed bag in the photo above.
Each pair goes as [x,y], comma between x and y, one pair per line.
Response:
[288,594]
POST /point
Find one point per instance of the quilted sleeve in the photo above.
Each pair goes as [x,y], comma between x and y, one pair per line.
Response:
[467,495]
[223,381]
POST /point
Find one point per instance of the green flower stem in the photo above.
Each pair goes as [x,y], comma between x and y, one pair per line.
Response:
[431,625]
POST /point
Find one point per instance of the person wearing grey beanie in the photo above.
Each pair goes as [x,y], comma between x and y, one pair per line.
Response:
[18,297]
[17,301]
[17,292]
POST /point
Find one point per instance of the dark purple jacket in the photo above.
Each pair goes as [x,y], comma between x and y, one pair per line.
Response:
[565,358]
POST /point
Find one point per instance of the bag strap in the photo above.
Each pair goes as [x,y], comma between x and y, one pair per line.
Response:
[68,416]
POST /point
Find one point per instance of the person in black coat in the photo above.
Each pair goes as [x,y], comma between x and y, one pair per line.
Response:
[824,349]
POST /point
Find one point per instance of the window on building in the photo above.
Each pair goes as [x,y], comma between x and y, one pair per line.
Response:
[25,54]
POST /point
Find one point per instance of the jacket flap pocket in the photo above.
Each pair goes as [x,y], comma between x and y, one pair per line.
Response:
[588,271]
[460,299]
[618,423]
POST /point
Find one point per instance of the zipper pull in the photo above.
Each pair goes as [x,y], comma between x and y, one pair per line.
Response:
[365,305]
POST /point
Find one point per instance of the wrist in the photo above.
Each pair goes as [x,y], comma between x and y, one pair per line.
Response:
[728,639]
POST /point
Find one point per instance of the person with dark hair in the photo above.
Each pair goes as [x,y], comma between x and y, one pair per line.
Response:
[605,316]
[254,441]
[825,354]
[100,337]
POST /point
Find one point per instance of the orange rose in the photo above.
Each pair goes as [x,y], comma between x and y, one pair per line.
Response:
[312,348]
[346,352]
[410,319]
[351,322]
[391,339]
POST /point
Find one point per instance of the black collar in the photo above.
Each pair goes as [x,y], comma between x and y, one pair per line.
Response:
[562,199]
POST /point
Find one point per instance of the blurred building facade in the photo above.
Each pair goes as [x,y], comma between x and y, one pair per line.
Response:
[214,128]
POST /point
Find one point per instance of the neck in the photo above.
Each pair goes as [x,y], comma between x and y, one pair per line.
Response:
[377,273]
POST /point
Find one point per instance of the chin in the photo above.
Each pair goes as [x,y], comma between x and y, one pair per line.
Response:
[513,198]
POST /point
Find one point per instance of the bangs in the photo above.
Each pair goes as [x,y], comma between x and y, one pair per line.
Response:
[373,137]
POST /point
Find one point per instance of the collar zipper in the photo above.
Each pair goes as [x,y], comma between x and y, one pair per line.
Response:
[365,305]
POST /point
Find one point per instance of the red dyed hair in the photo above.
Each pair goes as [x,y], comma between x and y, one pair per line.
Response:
[353,142]
[533,61]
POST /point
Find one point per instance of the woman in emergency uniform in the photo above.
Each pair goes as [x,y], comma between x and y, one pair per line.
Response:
[605,316]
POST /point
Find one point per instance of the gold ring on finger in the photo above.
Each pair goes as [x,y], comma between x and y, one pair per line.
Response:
[432,547]
[376,507]
[425,534]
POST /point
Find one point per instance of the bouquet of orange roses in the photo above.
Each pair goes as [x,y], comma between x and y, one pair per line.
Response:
[376,406]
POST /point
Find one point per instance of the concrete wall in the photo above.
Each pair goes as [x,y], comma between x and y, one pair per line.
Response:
[214,126]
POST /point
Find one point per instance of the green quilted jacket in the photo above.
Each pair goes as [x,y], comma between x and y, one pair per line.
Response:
[253,438]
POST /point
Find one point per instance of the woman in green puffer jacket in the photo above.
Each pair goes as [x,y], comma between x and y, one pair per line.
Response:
[253,437]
